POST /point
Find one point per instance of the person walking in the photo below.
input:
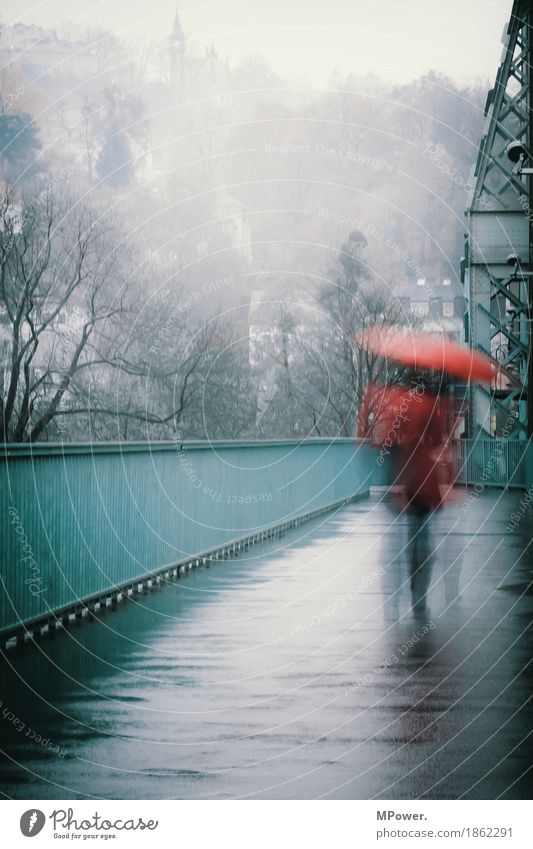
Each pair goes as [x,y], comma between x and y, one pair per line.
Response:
[418,465]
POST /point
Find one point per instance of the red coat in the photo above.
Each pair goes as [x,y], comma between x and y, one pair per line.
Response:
[409,424]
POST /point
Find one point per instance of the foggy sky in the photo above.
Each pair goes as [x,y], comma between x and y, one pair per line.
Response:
[398,39]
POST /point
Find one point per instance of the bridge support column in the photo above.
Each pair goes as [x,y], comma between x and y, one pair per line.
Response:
[498,268]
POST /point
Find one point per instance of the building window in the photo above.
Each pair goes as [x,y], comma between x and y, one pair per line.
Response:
[420,308]
[446,282]
[447,309]
[421,281]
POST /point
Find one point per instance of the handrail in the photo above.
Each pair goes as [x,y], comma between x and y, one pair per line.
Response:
[12,450]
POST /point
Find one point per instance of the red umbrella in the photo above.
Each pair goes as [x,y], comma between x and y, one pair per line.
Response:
[423,351]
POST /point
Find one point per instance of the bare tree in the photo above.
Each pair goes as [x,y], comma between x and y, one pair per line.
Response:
[60,280]
[321,370]
[281,359]
[177,376]
[344,310]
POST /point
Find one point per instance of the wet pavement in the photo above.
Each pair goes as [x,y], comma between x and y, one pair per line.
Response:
[296,671]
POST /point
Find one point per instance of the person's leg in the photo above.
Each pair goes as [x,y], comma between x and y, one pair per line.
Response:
[421,559]
[414,529]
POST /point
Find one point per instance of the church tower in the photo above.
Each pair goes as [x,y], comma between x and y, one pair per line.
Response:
[176,50]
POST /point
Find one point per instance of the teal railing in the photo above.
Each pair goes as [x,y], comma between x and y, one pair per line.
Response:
[86,524]
[500,463]
[529,466]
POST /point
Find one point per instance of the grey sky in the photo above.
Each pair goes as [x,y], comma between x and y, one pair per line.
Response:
[397,39]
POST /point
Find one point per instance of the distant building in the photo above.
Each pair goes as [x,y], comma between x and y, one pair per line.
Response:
[65,72]
[437,302]
[36,52]
[193,76]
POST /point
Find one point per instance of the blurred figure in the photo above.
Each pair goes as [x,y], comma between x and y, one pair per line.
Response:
[418,472]
[411,425]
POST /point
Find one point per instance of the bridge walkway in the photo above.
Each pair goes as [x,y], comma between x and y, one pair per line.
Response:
[295,671]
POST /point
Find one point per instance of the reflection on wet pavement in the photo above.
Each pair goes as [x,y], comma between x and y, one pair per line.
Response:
[296,671]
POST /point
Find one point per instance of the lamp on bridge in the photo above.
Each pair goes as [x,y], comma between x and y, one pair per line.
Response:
[518,154]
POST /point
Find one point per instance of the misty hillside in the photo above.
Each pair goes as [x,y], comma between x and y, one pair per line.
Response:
[232,196]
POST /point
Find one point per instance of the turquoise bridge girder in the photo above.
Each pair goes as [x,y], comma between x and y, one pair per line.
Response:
[82,525]
[498,264]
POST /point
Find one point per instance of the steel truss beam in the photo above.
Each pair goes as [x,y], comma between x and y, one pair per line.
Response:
[500,215]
